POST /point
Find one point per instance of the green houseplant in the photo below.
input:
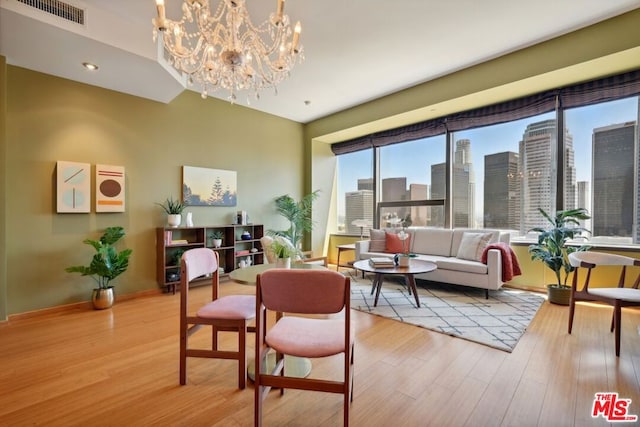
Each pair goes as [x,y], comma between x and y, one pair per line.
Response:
[174,209]
[107,264]
[283,251]
[553,251]
[299,215]
[216,238]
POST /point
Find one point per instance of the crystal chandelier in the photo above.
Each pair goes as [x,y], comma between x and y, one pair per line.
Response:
[225,49]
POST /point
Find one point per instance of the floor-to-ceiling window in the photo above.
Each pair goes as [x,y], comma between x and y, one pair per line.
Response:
[603,149]
[503,173]
[355,192]
[570,147]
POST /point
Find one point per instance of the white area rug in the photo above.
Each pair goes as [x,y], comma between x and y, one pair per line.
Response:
[458,311]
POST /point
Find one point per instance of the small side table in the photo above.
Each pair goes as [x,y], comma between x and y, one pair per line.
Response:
[342,248]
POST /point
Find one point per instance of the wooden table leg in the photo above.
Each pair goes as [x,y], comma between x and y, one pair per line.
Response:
[378,285]
[412,285]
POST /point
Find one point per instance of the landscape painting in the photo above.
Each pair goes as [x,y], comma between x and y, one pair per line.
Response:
[209,187]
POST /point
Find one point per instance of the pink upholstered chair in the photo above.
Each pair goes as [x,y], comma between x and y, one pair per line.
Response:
[227,313]
[303,292]
[617,297]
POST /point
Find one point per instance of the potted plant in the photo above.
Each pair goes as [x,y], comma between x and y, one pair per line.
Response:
[553,251]
[216,238]
[283,252]
[107,264]
[299,216]
[174,209]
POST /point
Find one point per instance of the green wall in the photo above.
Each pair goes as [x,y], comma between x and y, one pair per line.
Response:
[3,168]
[50,119]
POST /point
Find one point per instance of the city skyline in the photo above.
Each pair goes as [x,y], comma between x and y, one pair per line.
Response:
[495,139]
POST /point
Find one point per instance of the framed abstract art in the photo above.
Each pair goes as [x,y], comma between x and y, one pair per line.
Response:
[73,187]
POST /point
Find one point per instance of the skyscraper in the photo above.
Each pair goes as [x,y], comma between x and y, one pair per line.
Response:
[614,157]
[537,173]
[358,205]
[584,201]
[365,184]
[438,191]
[419,214]
[536,169]
[464,186]
[501,191]
[393,190]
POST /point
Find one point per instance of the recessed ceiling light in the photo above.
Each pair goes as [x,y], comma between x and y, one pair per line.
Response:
[89,66]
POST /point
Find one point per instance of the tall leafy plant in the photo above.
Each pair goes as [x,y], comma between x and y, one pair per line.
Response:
[298,213]
[107,263]
[552,248]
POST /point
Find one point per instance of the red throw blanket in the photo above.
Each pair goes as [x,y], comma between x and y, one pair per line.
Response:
[510,265]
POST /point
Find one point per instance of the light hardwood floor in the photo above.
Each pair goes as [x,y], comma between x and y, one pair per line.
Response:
[119,367]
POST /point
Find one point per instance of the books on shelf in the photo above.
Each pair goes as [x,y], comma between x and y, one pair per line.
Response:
[168,239]
[381,262]
[179,242]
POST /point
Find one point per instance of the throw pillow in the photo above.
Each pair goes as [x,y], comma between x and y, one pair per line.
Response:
[377,243]
[472,245]
[396,246]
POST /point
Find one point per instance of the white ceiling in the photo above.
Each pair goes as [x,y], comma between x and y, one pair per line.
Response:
[356,50]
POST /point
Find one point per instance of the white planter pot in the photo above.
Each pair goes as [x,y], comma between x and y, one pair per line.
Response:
[283,262]
[217,243]
[174,220]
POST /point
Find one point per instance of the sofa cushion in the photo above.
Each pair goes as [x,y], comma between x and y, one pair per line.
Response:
[472,245]
[378,240]
[432,241]
[395,246]
[462,265]
[459,232]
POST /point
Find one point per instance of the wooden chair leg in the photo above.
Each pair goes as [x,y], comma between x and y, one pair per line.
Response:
[242,357]
[572,308]
[214,338]
[618,323]
[183,357]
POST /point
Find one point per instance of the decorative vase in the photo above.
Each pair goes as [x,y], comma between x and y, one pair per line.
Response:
[103,298]
[283,262]
[189,219]
[174,220]
[558,295]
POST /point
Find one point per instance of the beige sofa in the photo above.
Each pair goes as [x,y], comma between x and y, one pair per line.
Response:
[455,252]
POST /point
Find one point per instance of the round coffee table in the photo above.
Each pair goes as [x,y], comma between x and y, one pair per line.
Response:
[416,266]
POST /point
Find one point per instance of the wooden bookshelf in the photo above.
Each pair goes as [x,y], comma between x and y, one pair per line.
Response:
[172,242]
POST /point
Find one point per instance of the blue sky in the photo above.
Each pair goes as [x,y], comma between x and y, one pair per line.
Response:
[413,160]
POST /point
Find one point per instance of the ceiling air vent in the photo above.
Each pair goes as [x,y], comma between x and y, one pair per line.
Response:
[57,8]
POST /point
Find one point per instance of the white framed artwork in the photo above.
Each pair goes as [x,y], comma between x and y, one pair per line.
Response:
[73,187]
[110,188]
